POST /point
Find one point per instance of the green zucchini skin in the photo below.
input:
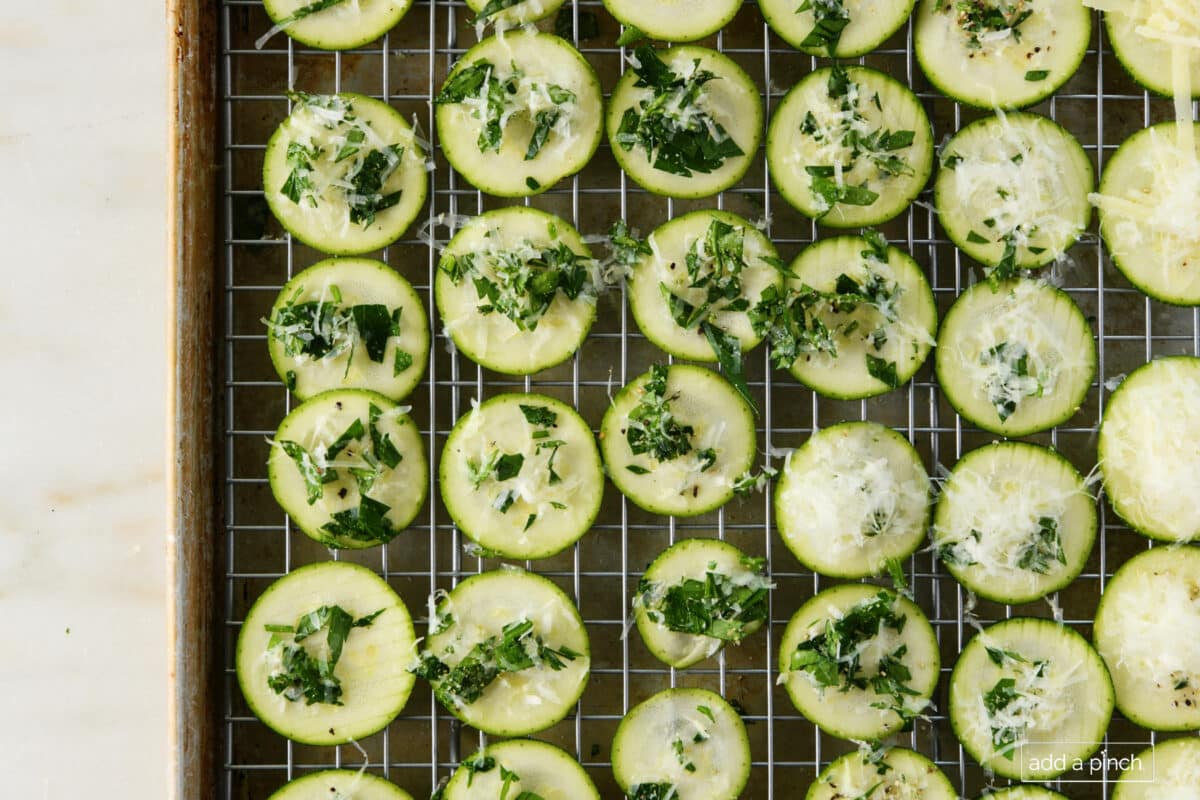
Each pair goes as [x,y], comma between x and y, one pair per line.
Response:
[870,25]
[340,783]
[853,772]
[674,20]
[336,28]
[1167,769]
[541,769]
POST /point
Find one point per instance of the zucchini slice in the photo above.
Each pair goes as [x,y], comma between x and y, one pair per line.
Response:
[682,744]
[519,112]
[1028,697]
[674,20]
[330,784]
[835,28]
[1001,53]
[1148,631]
[1145,35]
[695,597]
[515,767]
[1148,202]
[1014,522]
[333,24]
[684,122]
[1015,358]
[348,466]
[516,289]
[321,654]
[507,653]
[1166,770]
[676,438]
[1023,793]
[852,498]
[859,661]
[1148,452]
[520,474]
[897,772]
[850,146]
[705,270]
[1012,191]
[857,319]
[349,323]
[510,13]
[344,173]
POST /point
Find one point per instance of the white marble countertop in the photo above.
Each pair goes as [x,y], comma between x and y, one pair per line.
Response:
[83,326]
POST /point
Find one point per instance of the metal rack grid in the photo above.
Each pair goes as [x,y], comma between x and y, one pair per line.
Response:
[1100,105]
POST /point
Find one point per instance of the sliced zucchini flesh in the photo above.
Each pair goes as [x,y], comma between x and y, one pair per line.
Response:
[504,14]
[700,276]
[698,595]
[676,438]
[348,466]
[1012,191]
[349,323]
[331,784]
[507,652]
[519,112]
[520,769]
[521,475]
[835,28]
[516,289]
[674,20]
[859,661]
[684,122]
[682,744]
[1028,697]
[1014,522]
[1148,449]
[321,654]
[852,498]
[333,24]
[344,173]
[1166,770]
[874,774]
[1016,357]
[1156,41]
[1001,53]
[856,318]
[1023,793]
[1148,631]
[1148,202]
[850,146]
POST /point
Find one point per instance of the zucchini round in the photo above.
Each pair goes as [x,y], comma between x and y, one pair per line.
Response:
[676,438]
[1014,522]
[1166,770]
[1148,208]
[1015,358]
[373,484]
[1013,189]
[897,773]
[665,607]
[1028,697]
[520,474]
[872,347]
[674,20]
[693,257]
[867,25]
[344,173]
[514,253]
[340,26]
[688,743]
[1148,449]
[361,690]
[517,766]
[1148,632]
[349,323]
[519,112]
[335,783]
[508,14]
[844,657]
[852,498]
[485,623]
[709,104]
[849,146]
[1023,793]
[1149,59]
[1008,56]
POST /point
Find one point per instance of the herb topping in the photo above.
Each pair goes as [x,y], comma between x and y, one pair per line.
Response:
[303,674]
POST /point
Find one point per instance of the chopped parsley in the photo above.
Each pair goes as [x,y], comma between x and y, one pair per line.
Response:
[677,132]
[652,429]
[1006,696]
[626,248]
[1009,380]
[1034,75]
[653,791]
[717,606]
[749,482]
[979,17]
[303,675]
[541,416]
[326,328]
[477,764]
[1043,548]
[831,17]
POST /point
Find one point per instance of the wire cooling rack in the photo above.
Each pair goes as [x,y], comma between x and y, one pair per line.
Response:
[1100,105]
